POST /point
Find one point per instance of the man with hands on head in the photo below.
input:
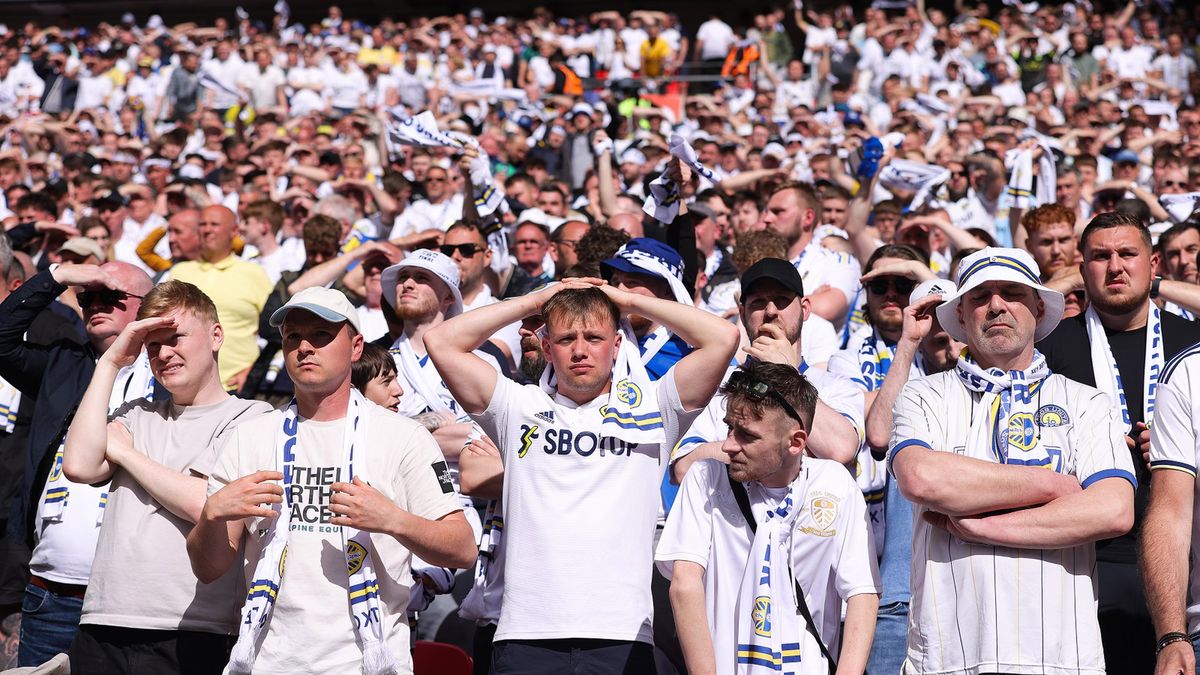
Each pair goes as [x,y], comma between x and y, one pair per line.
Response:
[1015,473]
[157,455]
[62,533]
[328,501]
[597,438]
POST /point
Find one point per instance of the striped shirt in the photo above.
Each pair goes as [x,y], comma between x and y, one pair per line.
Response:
[979,608]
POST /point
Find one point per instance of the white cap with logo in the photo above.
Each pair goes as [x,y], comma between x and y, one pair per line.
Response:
[327,303]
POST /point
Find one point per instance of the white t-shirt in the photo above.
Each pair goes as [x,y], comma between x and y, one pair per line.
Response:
[143,577]
[580,511]
[425,215]
[228,73]
[133,234]
[1175,446]
[510,335]
[263,84]
[345,89]
[274,264]
[990,608]
[1176,70]
[832,559]
[819,266]
[717,37]
[311,629]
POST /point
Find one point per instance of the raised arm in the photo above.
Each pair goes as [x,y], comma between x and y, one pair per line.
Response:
[712,338]
[918,321]
[85,457]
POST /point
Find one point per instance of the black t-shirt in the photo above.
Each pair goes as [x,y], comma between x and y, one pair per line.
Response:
[1068,353]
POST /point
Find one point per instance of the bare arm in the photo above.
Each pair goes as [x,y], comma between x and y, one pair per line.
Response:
[879,413]
[957,485]
[213,544]
[1182,293]
[858,633]
[691,617]
[829,304]
[480,470]
[1165,542]
[328,271]
[1102,511]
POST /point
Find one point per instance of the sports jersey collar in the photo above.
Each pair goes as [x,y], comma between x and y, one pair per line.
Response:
[223,264]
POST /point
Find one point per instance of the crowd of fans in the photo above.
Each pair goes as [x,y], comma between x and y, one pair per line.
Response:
[188,209]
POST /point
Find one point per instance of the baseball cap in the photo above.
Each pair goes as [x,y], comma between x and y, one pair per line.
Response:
[327,303]
[439,264]
[776,269]
[652,258]
[82,246]
[942,287]
[1000,264]
[1125,156]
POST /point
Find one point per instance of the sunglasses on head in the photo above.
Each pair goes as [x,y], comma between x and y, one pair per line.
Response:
[757,390]
[880,285]
[467,250]
[107,297]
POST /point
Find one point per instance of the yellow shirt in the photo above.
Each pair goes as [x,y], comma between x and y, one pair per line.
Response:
[239,289]
[654,57]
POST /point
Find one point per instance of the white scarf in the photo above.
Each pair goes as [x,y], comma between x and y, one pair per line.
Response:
[1104,366]
[663,202]
[210,81]
[488,196]
[417,377]
[422,130]
[1025,189]
[10,402]
[766,612]
[920,179]
[475,606]
[1180,207]
[356,546]
[487,89]
[632,413]
[1011,411]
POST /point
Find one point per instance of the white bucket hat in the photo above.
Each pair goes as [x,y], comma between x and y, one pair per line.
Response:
[436,262]
[1000,264]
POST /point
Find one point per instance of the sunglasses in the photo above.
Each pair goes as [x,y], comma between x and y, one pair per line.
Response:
[880,286]
[756,390]
[467,250]
[1174,183]
[107,297]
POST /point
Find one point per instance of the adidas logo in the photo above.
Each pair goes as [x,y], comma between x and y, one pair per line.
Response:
[547,416]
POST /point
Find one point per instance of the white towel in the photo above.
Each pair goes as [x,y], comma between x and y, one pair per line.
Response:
[1020,180]
[422,130]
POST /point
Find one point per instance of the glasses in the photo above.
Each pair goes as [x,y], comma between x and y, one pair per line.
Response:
[757,391]
[880,286]
[467,250]
[569,243]
[959,174]
[435,180]
[107,297]
[1174,183]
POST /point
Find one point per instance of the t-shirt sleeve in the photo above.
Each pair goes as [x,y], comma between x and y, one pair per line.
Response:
[494,420]
[426,483]
[844,274]
[676,421]
[1100,449]
[914,423]
[709,426]
[688,532]
[1173,436]
[856,571]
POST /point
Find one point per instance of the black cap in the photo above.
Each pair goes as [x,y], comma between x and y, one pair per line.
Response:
[777,269]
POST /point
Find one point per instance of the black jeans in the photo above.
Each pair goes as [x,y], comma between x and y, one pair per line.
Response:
[575,657]
[110,650]
[1125,625]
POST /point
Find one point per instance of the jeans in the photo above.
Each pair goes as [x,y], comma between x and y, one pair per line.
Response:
[48,624]
[891,640]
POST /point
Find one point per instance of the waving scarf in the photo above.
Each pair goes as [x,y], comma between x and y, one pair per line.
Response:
[1104,366]
[663,202]
[356,546]
[422,130]
[920,179]
[765,611]
[1181,206]
[1011,410]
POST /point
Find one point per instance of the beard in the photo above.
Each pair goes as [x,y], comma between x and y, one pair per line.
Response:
[640,324]
[533,361]
[888,321]
[1117,304]
[416,310]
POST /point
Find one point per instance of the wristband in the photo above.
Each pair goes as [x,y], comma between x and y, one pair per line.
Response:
[1170,638]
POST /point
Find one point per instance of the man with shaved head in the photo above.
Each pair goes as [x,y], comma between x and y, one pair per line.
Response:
[239,289]
[60,519]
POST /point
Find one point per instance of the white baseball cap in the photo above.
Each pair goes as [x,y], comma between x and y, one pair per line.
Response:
[327,303]
[443,268]
[1000,264]
[929,287]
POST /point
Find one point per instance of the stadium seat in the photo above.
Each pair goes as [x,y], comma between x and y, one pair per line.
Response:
[438,658]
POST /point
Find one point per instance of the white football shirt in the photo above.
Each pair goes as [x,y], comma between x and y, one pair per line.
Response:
[580,513]
[832,554]
[978,608]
